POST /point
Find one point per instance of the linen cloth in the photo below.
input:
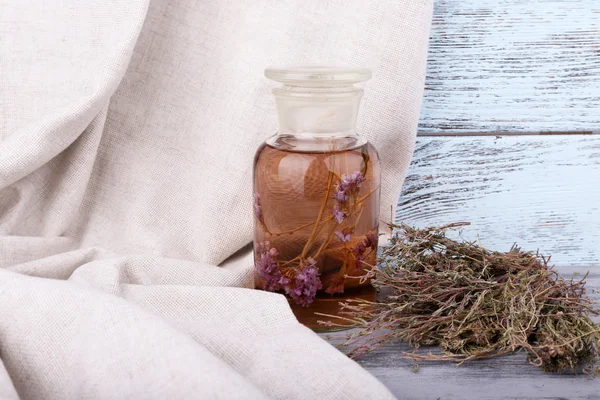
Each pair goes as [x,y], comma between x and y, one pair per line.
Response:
[127,133]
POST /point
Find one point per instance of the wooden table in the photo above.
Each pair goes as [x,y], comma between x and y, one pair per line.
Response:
[506,142]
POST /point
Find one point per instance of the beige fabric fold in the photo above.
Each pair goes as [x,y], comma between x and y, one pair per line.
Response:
[127,134]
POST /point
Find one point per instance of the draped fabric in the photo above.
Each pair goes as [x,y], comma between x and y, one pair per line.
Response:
[127,134]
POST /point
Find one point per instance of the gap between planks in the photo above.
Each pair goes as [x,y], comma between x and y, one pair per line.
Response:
[500,134]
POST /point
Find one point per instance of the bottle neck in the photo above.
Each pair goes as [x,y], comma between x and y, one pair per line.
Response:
[325,111]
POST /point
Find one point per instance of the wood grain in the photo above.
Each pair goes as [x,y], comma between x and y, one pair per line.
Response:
[513,66]
[541,192]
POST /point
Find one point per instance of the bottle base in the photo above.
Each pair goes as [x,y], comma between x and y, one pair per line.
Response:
[330,305]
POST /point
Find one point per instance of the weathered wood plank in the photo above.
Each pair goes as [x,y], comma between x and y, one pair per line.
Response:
[494,379]
[513,65]
[541,192]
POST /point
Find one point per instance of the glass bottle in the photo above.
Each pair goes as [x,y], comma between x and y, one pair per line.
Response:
[316,191]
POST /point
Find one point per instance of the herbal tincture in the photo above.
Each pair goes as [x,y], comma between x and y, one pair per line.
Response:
[316,188]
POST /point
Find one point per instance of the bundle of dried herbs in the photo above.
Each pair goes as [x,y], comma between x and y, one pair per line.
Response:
[474,303]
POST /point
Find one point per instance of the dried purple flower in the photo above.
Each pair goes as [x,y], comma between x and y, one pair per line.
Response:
[359,254]
[305,284]
[351,183]
[342,237]
[340,196]
[371,241]
[257,208]
[268,268]
[359,261]
[338,214]
[264,247]
[349,186]
[337,286]
[345,234]
[359,249]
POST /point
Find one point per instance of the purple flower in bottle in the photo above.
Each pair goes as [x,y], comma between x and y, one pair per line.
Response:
[359,249]
[268,268]
[349,186]
[257,208]
[359,262]
[371,241]
[351,183]
[264,247]
[337,286]
[340,196]
[344,234]
[359,254]
[305,284]
[338,214]
[343,237]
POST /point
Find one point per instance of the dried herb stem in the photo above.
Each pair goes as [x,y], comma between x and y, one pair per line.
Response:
[311,238]
[474,303]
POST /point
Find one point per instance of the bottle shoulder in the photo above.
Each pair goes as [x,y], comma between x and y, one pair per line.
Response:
[286,155]
[317,144]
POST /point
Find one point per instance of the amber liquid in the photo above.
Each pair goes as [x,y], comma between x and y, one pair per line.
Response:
[297,184]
